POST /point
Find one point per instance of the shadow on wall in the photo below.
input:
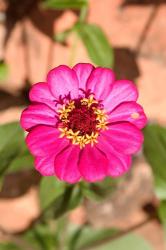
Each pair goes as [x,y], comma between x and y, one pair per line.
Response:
[29,14]
[8,100]
[125,64]
[32,9]
[18,183]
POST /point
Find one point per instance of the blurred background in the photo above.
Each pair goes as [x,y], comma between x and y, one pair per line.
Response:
[126,35]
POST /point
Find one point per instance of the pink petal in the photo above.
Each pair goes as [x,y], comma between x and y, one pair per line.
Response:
[44,141]
[129,112]
[66,164]
[118,163]
[100,82]
[37,114]
[62,80]
[122,91]
[45,165]
[83,71]
[40,93]
[124,137]
[93,164]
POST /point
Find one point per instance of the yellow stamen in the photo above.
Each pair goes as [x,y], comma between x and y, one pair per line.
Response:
[64,132]
[76,137]
[88,101]
[81,141]
[73,135]
[65,110]
[102,125]
[92,138]
[71,105]
[101,116]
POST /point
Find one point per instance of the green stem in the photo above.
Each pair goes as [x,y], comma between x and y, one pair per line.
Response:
[83,14]
[62,232]
[82,19]
[73,50]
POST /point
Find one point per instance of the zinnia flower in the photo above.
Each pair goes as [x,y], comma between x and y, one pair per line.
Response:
[83,124]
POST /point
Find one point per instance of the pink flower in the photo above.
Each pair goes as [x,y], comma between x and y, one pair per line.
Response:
[83,123]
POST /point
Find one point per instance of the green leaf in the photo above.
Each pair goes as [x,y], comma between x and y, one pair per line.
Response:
[162,215]
[99,190]
[64,4]
[62,36]
[41,237]
[57,197]
[155,153]
[69,199]
[75,198]
[130,241]
[1,182]
[12,145]
[86,236]
[10,134]
[3,71]
[162,212]
[96,43]
[23,161]
[9,246]
[160,188]
[50,190]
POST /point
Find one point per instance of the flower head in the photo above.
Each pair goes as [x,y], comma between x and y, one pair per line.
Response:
[83,123]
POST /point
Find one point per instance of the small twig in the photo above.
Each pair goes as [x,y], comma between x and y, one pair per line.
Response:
[146,28]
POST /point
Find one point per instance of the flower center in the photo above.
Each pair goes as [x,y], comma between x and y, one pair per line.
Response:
[81,120]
